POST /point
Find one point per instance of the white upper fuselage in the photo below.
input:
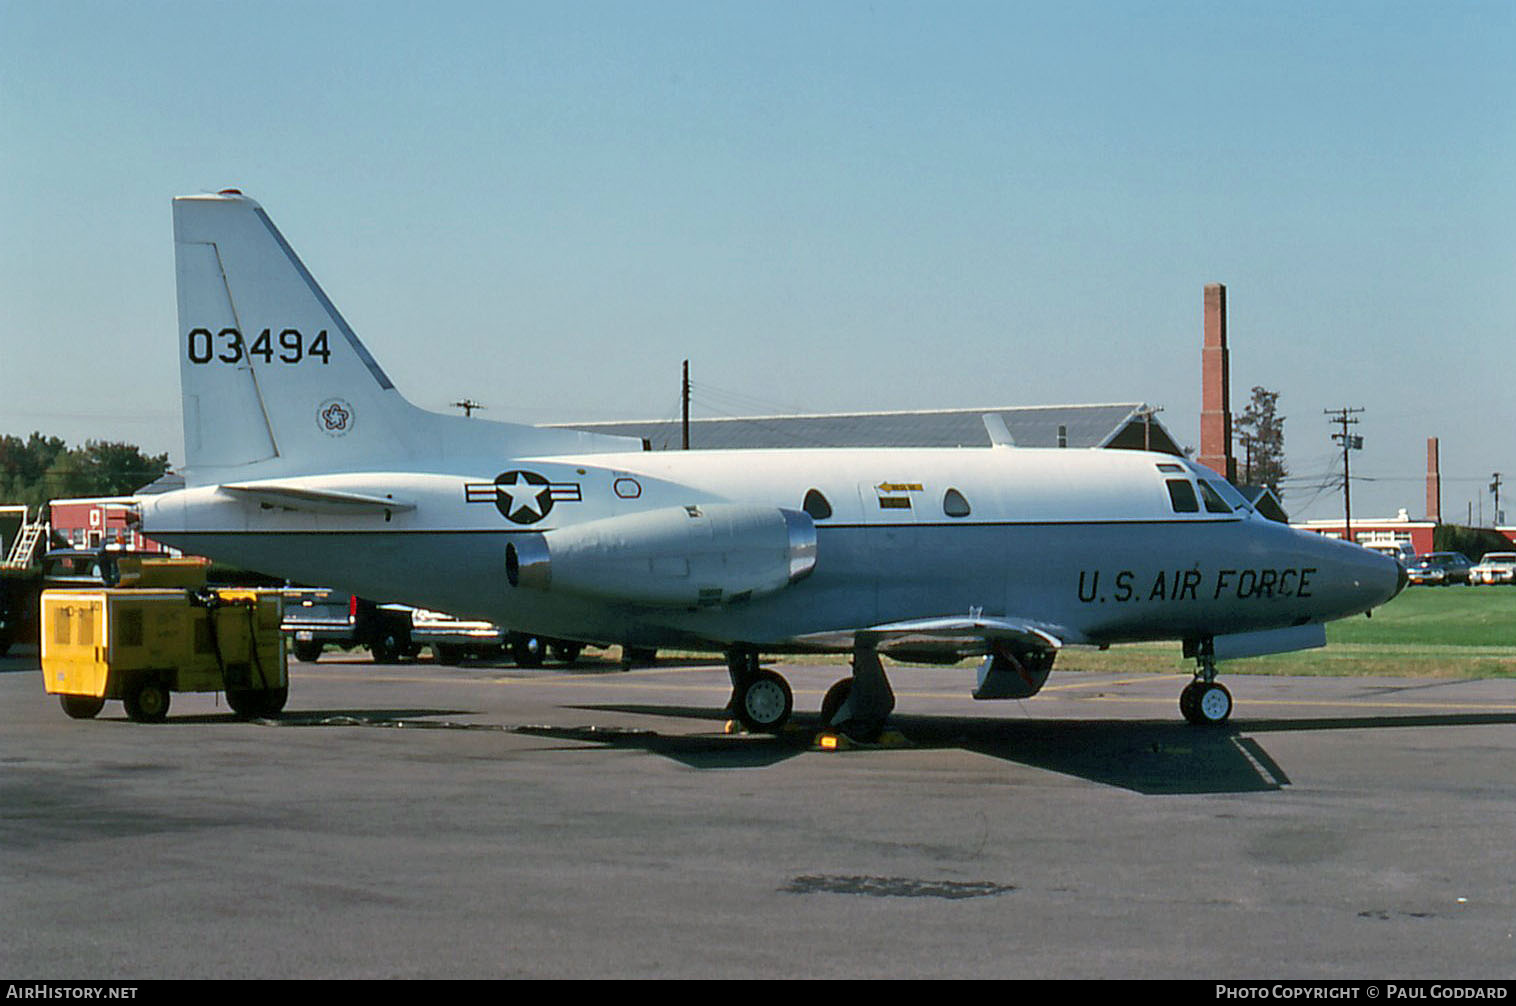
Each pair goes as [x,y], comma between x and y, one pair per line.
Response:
[1085,544]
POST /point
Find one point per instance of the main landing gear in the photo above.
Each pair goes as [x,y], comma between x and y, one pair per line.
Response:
[761,700]
[858,706]
[1204,702]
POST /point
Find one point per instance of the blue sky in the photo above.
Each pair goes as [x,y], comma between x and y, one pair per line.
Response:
[825,207]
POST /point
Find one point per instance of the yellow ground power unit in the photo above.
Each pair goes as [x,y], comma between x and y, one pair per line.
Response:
[140,645]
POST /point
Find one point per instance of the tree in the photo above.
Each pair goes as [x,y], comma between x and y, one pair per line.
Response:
[1261,430]
[39,469]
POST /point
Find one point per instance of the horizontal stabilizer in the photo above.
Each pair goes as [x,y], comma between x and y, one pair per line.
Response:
[289,495]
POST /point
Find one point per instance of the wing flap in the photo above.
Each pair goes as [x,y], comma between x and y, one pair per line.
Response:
[944,639]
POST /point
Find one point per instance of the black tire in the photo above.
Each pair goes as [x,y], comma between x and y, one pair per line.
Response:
[565,653]
[308,652]
[388,647]
[81,707]
[526,650]
[764,704]
[635,656]
[146,702]
[1205,704]
[250,703]
[448,653]
[833,702]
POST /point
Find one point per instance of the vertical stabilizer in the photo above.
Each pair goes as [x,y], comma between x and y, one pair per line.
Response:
[275,382]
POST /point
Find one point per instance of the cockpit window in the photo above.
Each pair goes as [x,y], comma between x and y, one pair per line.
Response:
[1233,498]
[1182,496]
[1213,501]
[816,505]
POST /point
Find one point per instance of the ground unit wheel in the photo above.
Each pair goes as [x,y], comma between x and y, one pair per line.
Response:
[146,702]
[765,702]
[81,707]
[252,702]
[565,652]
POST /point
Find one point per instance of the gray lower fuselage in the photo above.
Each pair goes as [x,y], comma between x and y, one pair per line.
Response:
[1089,574]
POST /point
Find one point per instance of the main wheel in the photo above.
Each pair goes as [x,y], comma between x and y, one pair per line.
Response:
[765,702]
[146,702]
[836,696]
[81,707]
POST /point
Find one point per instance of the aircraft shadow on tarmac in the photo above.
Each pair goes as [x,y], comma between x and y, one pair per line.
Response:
[1144,756]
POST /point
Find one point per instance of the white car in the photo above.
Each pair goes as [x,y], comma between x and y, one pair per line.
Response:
[1495,567]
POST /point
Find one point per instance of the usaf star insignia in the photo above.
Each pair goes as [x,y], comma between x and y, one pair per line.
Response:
[522,497]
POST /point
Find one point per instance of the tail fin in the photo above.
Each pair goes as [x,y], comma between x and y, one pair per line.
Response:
[275,382]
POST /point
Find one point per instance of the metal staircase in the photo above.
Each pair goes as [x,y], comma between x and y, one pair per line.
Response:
[25,545]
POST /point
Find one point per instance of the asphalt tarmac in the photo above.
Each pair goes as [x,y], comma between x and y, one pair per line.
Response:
[426,821]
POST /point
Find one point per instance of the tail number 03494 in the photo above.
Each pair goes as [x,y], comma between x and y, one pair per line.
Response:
[228,346]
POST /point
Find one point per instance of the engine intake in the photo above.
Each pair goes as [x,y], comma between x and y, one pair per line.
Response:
[688,557]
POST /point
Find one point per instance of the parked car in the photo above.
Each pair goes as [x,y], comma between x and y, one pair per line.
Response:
[317,617]
[1439,569]
[1495,567]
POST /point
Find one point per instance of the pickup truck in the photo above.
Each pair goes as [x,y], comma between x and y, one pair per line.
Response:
[317,617]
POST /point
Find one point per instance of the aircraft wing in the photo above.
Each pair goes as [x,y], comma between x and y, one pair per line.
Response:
[295,495]
[944,638]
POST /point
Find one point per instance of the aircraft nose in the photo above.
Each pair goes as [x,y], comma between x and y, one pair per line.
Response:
[1385,578]
[1404,579]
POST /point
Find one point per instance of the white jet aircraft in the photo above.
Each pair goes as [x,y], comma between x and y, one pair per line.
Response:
[304,461]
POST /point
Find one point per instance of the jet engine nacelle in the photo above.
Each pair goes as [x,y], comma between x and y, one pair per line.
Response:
[685,557]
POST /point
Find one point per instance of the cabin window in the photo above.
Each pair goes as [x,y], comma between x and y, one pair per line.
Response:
[816,505]
[1182,496]
[1171,468]
[1213,501]
[954,505]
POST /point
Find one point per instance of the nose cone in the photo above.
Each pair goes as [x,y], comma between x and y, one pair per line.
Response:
[1369,578]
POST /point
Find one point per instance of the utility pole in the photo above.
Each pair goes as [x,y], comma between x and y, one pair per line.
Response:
[684,402]
[1345,418]
[1147,412]
[1495,488]
[468,405]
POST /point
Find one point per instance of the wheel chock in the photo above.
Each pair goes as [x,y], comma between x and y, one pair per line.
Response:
[888,740]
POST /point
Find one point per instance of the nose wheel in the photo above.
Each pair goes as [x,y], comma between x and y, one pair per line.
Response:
[1204,702]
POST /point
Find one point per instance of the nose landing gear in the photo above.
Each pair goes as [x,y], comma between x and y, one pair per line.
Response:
[1204,702]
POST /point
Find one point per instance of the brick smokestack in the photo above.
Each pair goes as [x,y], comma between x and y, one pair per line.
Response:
[1434,483]
[1216,388]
